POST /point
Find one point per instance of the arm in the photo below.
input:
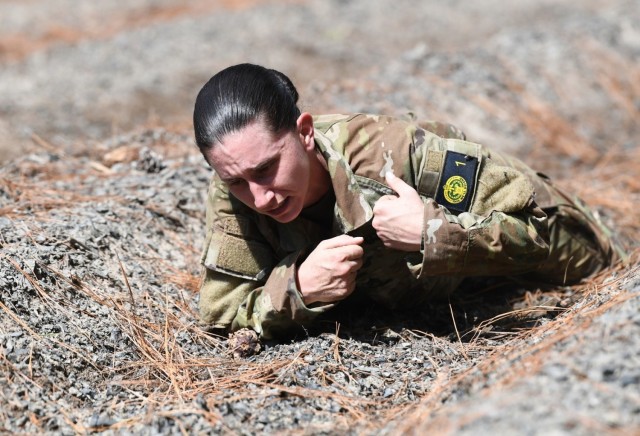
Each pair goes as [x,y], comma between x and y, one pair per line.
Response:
[245,284]
[473,245]
[469,244]
[290,297]
[271,308]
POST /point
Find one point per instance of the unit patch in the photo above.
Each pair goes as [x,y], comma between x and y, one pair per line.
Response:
[455,189]
[457,182]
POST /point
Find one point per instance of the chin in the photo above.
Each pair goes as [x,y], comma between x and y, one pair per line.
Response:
[288,216]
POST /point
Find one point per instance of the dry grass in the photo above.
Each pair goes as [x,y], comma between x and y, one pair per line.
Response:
[513,363]
[17,46]
[166,376]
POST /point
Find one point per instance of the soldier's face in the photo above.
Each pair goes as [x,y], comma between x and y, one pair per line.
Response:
[269,173]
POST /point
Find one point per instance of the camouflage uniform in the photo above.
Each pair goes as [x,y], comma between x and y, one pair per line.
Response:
[501,218]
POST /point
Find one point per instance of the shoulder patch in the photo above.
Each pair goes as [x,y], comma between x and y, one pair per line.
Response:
[457,182]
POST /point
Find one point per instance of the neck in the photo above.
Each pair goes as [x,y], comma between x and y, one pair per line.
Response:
[319,179]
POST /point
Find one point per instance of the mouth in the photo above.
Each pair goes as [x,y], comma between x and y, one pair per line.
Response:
[278,210]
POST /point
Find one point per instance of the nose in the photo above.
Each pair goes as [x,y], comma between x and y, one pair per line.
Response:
[262,196]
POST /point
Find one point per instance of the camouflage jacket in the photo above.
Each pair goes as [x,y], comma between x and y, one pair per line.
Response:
[485,214]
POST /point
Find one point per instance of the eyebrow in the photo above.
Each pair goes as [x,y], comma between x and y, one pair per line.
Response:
[264,164]
[259,167]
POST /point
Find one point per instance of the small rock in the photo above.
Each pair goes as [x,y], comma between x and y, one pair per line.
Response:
[98,420]
[150,161]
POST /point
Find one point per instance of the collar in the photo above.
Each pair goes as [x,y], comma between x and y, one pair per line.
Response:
[353,208]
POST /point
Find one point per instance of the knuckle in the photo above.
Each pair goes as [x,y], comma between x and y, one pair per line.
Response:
[343,270]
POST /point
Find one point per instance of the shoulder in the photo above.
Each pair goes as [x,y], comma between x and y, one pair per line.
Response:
[367,126]
[367,143]
[362,130]
[325,122]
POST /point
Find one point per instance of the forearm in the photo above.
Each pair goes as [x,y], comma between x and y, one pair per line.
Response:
[270,309]
[472,245]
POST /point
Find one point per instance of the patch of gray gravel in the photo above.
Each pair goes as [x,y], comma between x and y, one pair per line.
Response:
[585,383]
[98,263]
[88,265]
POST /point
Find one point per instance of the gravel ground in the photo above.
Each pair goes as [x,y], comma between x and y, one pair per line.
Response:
[101,224]
[580,377]
[98,333]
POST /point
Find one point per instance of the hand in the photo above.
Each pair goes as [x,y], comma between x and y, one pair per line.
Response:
[398,220]
[329,273]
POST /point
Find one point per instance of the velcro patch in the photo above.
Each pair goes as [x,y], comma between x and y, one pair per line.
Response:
[238,257]
[457,182]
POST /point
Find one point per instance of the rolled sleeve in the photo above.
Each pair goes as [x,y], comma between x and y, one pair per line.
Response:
[472,245]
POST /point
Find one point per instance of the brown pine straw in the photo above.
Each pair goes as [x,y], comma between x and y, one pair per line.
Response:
[164,374]
[17,46]
[510,363]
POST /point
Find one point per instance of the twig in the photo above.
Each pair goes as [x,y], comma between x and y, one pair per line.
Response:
[453,318]
[46,145]
[336,345]
[126,281]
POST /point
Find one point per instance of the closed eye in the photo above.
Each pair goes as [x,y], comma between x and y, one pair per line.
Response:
[265,168]
[262,171]
[233,182]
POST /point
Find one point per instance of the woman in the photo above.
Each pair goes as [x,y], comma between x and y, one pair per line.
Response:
[302,212]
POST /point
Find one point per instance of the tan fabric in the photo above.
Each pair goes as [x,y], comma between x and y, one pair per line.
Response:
[518,224]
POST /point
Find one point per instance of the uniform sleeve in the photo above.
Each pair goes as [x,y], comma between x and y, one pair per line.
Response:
[496,227]
[271,309]
[444,130]
[244,283]
[473,245]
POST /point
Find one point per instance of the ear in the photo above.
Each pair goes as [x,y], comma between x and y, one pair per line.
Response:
[305,129]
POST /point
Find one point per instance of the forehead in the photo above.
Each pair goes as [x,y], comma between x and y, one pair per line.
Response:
[244,149]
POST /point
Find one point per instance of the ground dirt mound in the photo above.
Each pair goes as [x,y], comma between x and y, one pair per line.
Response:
[101,231]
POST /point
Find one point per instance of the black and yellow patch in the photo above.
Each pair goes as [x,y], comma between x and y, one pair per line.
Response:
[457,182]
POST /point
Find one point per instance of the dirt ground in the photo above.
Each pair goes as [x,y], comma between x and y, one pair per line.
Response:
[102,220]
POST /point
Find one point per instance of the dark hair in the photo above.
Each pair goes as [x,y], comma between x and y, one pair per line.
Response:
[237,96]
